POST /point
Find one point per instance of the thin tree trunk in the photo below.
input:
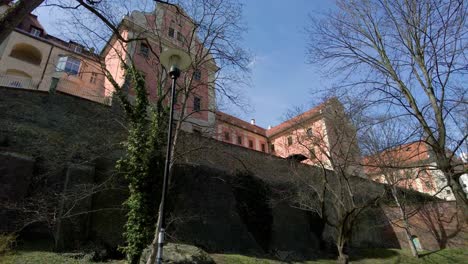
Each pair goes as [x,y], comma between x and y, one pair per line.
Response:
[341,241]
[15,15]
[409,236]
[153,250]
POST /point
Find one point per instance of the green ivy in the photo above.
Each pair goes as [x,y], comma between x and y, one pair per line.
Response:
[142,165]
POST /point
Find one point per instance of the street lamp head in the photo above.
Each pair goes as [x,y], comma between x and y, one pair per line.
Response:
[175,60]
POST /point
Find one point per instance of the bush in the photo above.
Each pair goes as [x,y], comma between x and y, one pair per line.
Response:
[7,242]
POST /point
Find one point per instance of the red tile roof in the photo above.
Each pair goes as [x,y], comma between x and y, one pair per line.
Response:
[240,123]
[404,155]
[295,120]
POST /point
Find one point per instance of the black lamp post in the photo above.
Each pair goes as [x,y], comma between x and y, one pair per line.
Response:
[175,60]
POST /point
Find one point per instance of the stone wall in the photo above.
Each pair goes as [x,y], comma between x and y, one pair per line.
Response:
[54,134]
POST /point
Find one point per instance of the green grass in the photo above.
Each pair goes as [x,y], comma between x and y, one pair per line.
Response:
[44,257]
[368,256]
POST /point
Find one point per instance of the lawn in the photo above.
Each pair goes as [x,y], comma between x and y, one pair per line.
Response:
[368,256]
[371,256]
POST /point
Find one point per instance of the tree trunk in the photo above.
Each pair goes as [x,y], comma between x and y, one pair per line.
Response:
[409,236]
[460,196]
[153,250]
[340,243]
[15,15]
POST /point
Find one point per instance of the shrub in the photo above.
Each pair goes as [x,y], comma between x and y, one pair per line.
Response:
[7,242]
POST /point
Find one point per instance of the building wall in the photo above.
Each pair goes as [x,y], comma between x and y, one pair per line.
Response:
[35,62]
[154,26]
[224,129]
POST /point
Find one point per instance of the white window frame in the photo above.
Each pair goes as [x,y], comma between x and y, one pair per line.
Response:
[35,32]
[69,65]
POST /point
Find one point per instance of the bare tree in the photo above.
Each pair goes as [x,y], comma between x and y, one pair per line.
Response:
[407,58]
[15,14]
[389,163]
[333,188]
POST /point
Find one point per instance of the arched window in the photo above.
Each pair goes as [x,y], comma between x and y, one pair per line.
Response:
[27,53]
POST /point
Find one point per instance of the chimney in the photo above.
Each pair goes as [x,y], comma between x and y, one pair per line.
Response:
[269,127]
[252,121]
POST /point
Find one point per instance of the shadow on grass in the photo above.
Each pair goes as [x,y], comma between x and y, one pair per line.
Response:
[372,253]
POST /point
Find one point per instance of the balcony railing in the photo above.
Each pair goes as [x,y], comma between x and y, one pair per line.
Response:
[17,82]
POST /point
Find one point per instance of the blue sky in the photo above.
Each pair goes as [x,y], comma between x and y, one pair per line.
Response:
[281,78]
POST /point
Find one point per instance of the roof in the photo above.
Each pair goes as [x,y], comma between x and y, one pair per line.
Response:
[296,120]
[31,20]
[240,123]
[403,155]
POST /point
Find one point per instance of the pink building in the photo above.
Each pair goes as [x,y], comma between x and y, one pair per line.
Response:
[310,137]
[410,166]
[165,28]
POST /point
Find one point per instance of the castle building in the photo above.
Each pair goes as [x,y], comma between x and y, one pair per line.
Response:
[321,136]
[32,59]
[409,166]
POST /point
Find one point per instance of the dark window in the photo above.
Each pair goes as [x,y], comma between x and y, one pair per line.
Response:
[250,144]
[312,153]
[196,104]
[272,148]
[227,136]
[93,77]
[170,33]
[197,131]
[263,147]
[290,141]
[197,75]
[448,191]
[144,50]
[309,132]
[239,140]
[180,37]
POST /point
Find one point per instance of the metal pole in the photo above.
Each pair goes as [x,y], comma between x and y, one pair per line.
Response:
[174,73]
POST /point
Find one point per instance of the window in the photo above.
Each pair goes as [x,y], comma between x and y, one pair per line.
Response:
[312,153]
[272,147]
[180,37]
[93,77]
[197,131]
[227,136]
[196,104]
[239,140]
[75,47]
[171,32]
[290,141]
[448,191]
[35,31]
[197,75]
[144,50]
[69,65]
[251,144]
[309,132]
[263,147]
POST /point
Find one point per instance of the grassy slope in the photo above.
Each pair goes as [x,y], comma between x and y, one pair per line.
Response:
[375,256]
